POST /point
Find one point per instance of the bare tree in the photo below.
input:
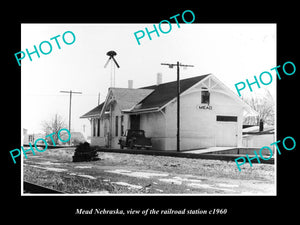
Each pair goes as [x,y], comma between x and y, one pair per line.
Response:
[264,106]
[53,126]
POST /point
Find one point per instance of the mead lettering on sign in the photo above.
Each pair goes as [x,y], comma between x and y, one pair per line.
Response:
[209,107]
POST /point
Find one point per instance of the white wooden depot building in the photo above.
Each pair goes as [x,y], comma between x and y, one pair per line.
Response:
[210,114]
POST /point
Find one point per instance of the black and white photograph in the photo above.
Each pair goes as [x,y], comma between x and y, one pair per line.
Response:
[143,109]
[149,111]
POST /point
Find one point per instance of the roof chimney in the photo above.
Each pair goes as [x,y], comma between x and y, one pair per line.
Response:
[130,84]
[159,79]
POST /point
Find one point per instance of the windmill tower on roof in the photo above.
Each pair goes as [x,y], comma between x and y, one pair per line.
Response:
[111,55]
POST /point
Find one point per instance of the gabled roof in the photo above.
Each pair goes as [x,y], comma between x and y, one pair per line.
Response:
[128,97]
[95,112]
[165,92]
[155,96]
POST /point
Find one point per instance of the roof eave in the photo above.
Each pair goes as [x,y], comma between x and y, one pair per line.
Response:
[89,116]
[140,111]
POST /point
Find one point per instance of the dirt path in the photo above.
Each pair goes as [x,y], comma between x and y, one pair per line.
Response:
[119,173]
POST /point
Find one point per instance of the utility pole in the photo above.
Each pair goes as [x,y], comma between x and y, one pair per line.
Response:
[178,65]
[70,92]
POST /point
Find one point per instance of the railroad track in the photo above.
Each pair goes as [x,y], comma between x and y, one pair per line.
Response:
[37,189]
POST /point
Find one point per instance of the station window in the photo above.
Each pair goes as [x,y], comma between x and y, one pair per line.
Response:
[122,125]
[227,118]
[205,97]
[94,127]
[117,125]
[98,128]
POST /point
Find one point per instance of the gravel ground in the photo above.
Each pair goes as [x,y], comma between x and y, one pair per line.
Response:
[117,173]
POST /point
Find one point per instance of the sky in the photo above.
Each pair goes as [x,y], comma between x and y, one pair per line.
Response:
[232,52]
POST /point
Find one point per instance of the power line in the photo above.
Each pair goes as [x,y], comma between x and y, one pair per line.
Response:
[36,94]
[178,65]
[70,92]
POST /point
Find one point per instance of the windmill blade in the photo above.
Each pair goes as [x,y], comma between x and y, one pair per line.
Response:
[107,62]
[115,62]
